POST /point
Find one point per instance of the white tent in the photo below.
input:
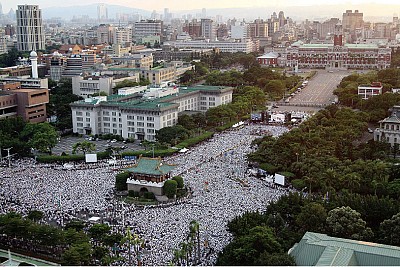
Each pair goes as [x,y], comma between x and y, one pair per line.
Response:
[68,166]
[94,219]
[183,150]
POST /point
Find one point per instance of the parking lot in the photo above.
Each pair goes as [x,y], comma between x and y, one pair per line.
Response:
[66,144]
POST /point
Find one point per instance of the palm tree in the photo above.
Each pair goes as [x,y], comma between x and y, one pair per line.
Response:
[310,180]
[352,181]
[195,230]
[330,177]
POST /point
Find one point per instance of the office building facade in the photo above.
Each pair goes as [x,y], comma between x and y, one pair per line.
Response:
[30,32]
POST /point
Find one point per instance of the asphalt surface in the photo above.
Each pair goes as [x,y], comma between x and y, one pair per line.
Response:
[66,144]
[320,88]
[316,95]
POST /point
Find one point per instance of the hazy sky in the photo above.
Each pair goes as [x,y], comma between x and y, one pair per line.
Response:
[192,4]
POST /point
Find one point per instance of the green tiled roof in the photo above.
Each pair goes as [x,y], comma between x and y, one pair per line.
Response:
[150,166]
[317,45]
[316,249]
[155,103]
[362,46]
[392,119]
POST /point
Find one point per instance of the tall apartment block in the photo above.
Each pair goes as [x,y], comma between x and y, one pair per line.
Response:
[30,32]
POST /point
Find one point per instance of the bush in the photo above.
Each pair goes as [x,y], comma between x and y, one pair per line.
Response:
[179,181]
[195,140]
[181,192]
[268,168]
[298,184]
[120,181]
[131,193]
[149,195]
[170,187]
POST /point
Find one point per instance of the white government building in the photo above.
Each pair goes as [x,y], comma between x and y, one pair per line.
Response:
[389,128]
[134,116]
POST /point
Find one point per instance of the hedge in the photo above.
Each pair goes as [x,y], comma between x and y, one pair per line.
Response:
[144,153]
[69,158]
[195,140]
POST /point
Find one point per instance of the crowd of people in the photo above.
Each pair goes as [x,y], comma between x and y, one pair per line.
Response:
[215,171]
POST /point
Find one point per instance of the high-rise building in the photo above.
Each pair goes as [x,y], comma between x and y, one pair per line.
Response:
[30,33]
[105,34]
[258,28]
[146,28]
[352,21]
[3,42]
[9,30]
[102,14]
[208,29]
[1,9]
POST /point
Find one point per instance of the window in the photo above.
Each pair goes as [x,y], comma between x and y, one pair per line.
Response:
[131,123]
[140,130]
[150,125]
[140,118]
[150,118]
[79,124]
[140,124]
[87,119]
[114,113]
[79,118]
[79,113]
[150,131]
[106,124]
[87,114]
[106,118]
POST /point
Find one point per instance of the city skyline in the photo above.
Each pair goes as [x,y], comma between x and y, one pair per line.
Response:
[175,5]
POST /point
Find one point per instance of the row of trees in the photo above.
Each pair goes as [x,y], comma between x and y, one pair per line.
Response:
[264,238]
[273,83]
[60,97]
[245,100]
[324,156]
[76,244]
[45,240]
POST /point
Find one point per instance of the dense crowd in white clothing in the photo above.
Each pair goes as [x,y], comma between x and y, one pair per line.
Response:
[215,171]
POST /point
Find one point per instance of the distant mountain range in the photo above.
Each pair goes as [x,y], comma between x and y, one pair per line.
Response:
[90,10]
[372,12]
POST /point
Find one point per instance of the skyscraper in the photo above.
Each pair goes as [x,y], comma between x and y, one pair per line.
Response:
[352,21]
[30,33]
[102,14]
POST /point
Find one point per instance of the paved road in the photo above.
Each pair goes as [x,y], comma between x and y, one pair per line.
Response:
[316,95]
[320,88]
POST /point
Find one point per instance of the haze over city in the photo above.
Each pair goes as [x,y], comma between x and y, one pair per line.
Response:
[326,8]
